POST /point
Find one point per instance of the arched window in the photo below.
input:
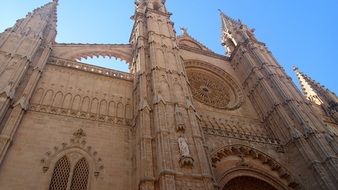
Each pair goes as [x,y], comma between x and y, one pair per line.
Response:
[60,175]
[80,175]
[61,179]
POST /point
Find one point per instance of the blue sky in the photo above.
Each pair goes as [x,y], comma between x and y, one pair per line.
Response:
[298,32]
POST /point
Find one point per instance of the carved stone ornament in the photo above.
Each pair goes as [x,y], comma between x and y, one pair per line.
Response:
[210,89]
[79,133]
[186,159]
[244,152]
[76,144]
[180,126]
[213,86]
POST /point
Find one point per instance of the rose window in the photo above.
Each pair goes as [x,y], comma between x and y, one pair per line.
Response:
[210,89]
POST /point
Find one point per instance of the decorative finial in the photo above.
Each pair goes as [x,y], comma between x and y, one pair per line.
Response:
[295,68]
[184,30]
[79,133]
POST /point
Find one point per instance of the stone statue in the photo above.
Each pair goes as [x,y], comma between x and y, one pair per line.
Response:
[184,148]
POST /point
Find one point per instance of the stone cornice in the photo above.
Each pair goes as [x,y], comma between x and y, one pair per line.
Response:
[240,136]
[80,115]
[91,68]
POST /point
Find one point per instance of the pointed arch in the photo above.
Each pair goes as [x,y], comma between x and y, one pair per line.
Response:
[60,175]
[57,102]
[248,182]
[129,113]
[83,163]
[78,51]
[80,175]
[233,161]
[103,107]
[47,99]
[76,102]
[37,96]
[85,104]
[120,110]
[111,109]
[94,106]
[67,101]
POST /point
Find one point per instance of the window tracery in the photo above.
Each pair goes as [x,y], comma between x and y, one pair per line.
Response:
[60,176]
[61,179]
[80,175]
[209,89]
[213,86]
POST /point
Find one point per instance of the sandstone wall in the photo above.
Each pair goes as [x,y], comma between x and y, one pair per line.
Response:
[77,113]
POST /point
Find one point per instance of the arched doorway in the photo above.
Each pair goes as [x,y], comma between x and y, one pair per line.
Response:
[241,167]
[247,183]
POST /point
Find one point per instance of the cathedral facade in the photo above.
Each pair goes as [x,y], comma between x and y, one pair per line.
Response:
[183,118]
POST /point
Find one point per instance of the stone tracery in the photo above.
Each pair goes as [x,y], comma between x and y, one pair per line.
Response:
[213,86]
[209,89]
[245,152]
[74,149]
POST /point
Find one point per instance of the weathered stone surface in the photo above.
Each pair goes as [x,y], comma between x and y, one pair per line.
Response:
[184,118]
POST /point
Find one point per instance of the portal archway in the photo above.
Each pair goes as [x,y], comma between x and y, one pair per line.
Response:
[250,177]
[235,163]
[247,183]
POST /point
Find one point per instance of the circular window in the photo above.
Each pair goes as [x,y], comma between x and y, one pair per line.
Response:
[212,90]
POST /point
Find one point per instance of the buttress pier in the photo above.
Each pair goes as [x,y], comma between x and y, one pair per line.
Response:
[182,118]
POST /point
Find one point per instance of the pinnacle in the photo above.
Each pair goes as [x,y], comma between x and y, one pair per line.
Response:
[226,17]
[295,68]
[312,89]
[184,31]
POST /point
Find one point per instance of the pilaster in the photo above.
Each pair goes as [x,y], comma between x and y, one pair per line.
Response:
[178,154]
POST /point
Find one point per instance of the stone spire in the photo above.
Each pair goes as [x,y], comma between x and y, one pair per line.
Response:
[234,32]
[227,39]
[307,87]
[317,94]
[33,26]
[228,23]
[24,50]
[277,101]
